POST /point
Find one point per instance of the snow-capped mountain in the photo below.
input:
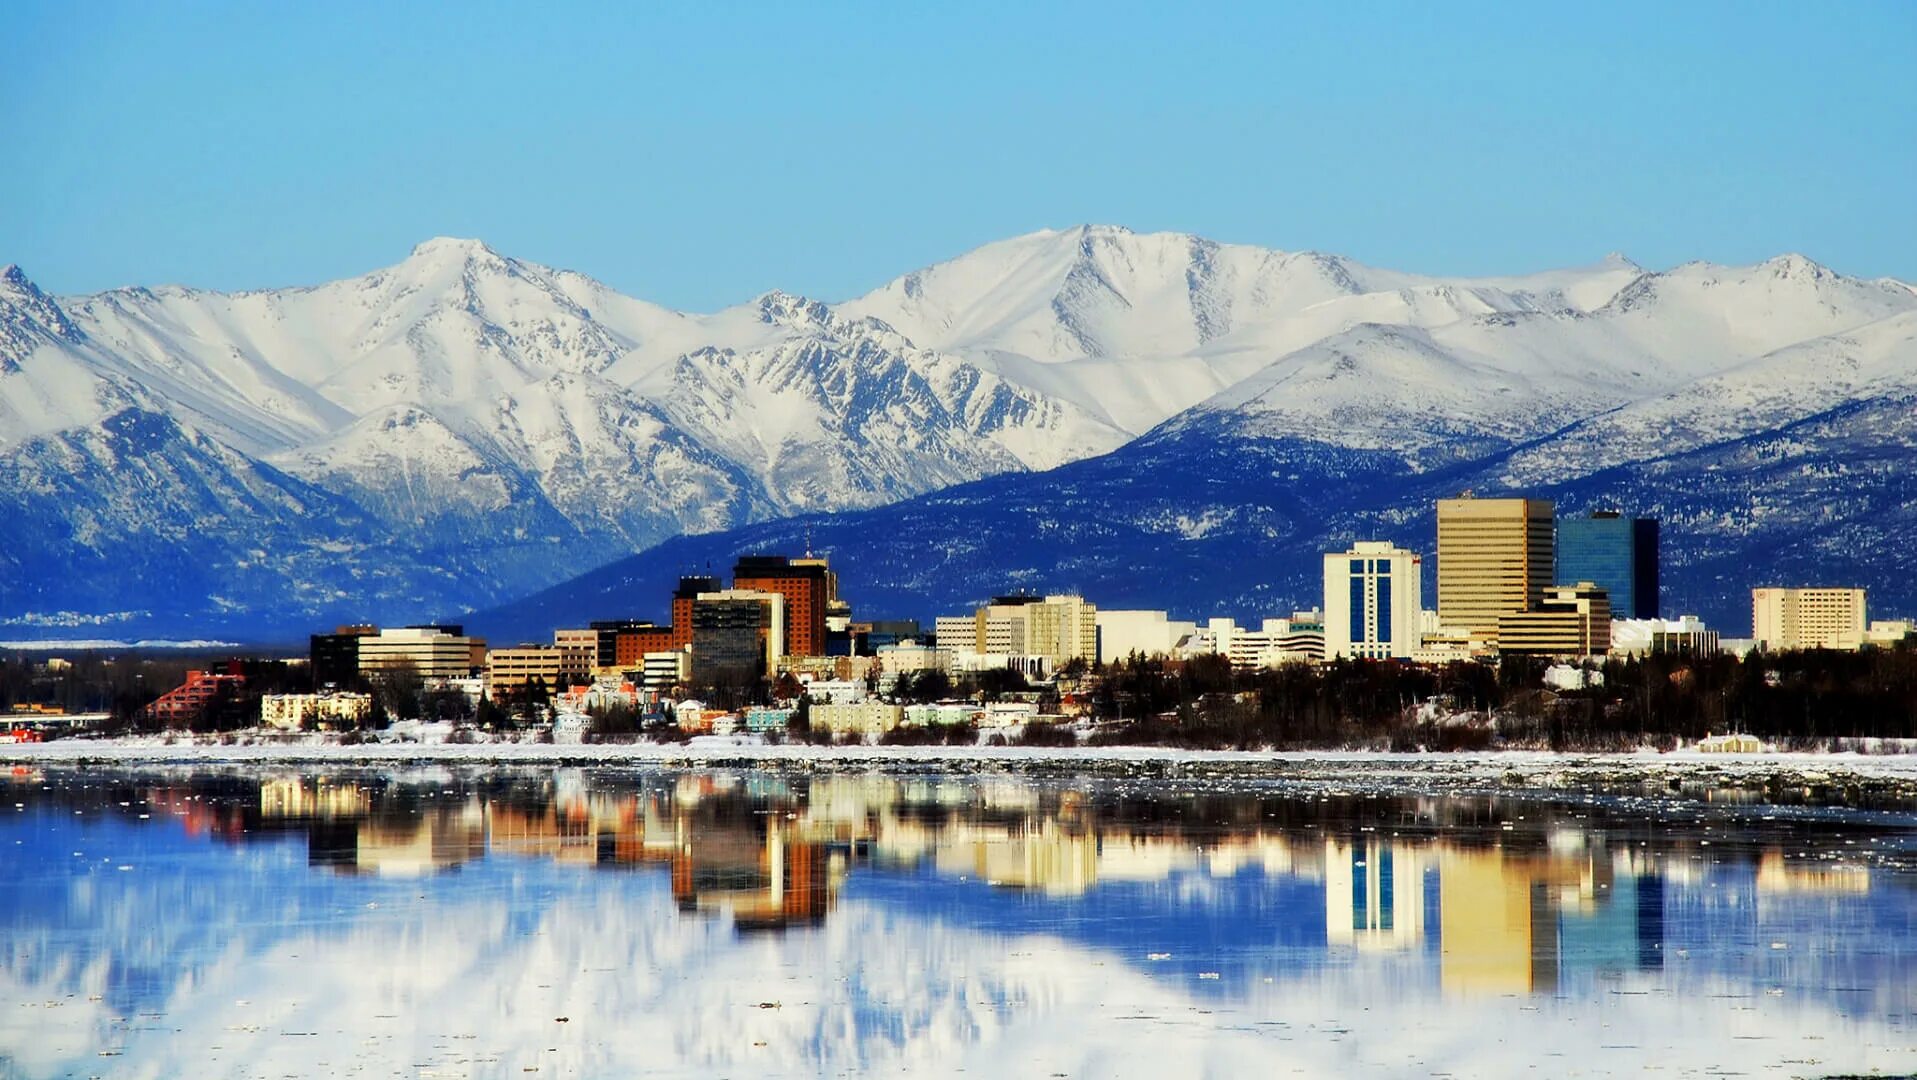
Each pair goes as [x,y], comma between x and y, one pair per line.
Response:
[465,427]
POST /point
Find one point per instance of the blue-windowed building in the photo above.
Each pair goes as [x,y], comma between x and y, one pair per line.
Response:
[1617,553]
[1374,594]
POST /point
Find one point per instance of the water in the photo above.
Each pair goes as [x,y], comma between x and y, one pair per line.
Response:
[541,922]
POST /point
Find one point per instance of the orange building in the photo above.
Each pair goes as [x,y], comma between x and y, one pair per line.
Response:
[806,585]
[187,702]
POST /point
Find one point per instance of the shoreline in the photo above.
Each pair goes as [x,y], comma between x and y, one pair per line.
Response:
[1508,767]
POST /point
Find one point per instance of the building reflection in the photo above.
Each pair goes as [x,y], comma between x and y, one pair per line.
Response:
[1506,902]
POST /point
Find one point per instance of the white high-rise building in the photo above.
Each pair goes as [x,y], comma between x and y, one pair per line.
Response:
[1374,599]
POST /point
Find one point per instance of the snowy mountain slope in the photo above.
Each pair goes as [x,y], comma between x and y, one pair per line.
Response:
[1139,328]
[496,427]
[1874,362]
[1203,522]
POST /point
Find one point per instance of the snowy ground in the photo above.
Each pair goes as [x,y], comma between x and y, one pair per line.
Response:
[1522,768]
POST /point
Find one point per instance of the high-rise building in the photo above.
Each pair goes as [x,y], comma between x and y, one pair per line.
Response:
[1569,620]
[1374,594]
[1618,554]
[1807,618]
[689,590]
[1494,557]
[335,656]
[737,636]
[808,586]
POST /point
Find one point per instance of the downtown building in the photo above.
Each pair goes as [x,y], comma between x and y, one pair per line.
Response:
[1617,554]
[738,636]
[1374,597]
[809,589]
[1495,557]
[1784,619]
[1054,629]
[431,652]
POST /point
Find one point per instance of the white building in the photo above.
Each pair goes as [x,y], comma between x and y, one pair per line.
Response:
[1806,618]
[1147,633]
[1374,601]
[294,712]
[1886,633]
[1061,628]
[1684,635]
[943,712]
[911,656]
[661,671]
[1276,641]
[864,718]
[834,691]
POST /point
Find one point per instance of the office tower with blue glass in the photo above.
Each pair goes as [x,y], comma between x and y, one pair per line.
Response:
[1616,553]
[1373,595]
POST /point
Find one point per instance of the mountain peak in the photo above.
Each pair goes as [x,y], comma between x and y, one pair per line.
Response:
[1792,265]
[453,248]
[14,276]
[1617,260]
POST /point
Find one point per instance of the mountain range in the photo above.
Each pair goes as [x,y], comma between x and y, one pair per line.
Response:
[1158,419]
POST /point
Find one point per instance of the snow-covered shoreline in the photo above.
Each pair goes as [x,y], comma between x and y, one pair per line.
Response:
[1528,767]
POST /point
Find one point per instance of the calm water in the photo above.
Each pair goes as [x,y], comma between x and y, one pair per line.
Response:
[485,922]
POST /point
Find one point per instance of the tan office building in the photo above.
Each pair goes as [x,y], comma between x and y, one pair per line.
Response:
[1571,620]
[1495,557]
[431,652]
[509,671]
[1807,618]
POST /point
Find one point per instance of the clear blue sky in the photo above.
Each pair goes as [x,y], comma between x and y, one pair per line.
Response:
[697,155]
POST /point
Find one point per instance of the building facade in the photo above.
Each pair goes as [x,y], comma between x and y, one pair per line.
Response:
[1570,620]
[513,671]
[807,585]
[1495,557]
[1807,618]
[431,652]
[188,702]
[1374,596]
[1618,554]
[295,712]
[862,718]
[335,656]
[737,636]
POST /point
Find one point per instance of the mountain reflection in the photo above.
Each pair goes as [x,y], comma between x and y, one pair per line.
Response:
[1468,899]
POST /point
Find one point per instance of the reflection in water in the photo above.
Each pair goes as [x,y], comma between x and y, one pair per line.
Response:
[917,918]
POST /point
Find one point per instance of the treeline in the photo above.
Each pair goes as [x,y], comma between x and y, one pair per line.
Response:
[1792,698]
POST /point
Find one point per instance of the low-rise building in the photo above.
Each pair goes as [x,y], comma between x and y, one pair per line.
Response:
[761,718]
[512,671]
[1001,714]
[1571,620]
[863,718]
[1147,633]
[913,657]
[834,691]
[1683,636]
[297,712]
[662,671]
[942,713]
[430,652]
[188,702]
[1888,633]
